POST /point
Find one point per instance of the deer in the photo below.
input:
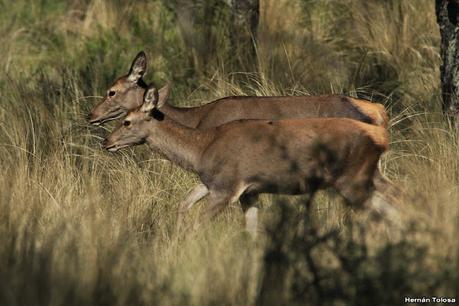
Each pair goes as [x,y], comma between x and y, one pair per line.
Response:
[127,93]
[244,158]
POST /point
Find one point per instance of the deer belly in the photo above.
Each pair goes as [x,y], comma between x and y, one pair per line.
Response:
[286,185]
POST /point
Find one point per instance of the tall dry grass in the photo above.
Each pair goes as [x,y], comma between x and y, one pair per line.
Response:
[80,226]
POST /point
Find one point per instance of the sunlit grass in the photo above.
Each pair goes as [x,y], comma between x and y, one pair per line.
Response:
[81,226]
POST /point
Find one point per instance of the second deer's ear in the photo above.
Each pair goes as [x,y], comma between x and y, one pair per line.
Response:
[138,67]
[150,99]
[163,95]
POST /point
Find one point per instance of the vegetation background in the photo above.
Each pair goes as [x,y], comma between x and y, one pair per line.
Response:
[81,226]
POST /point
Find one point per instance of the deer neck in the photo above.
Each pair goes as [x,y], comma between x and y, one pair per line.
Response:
[180,144]
[187,116]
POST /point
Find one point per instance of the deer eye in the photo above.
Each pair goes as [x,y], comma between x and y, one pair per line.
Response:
[111,93]
[127,123]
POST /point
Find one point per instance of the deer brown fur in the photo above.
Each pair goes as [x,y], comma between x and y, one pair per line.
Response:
[244,158]
[127,93]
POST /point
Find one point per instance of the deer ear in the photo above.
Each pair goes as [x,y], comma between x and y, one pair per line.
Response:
[163,95]
[150,99]
[138,67]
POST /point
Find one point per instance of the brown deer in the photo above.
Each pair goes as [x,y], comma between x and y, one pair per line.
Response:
[127,93]
[241,159]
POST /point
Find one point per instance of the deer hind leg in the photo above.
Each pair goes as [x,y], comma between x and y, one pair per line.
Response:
[382,208]
[363,195]
[250,209]
[391,193]
[380,182]
[356,191]
[356,185]
[357,197]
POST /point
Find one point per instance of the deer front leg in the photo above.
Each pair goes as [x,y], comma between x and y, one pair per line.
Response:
[219,198]
[196,194]
[217,201]
[248,203]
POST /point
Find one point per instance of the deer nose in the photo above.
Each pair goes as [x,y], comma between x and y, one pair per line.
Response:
[105,143]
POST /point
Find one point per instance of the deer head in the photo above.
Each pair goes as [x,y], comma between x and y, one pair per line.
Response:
[125,94]
[135,128]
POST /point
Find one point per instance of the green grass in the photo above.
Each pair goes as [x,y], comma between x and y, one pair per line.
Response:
[81,226]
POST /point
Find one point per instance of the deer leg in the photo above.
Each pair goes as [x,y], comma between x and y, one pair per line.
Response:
[248,203]
[356,194]
[196,194]
[217,201]
[382,208]
[358,186]
[380,182]
[390,192]
[219,198]
[364,196]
